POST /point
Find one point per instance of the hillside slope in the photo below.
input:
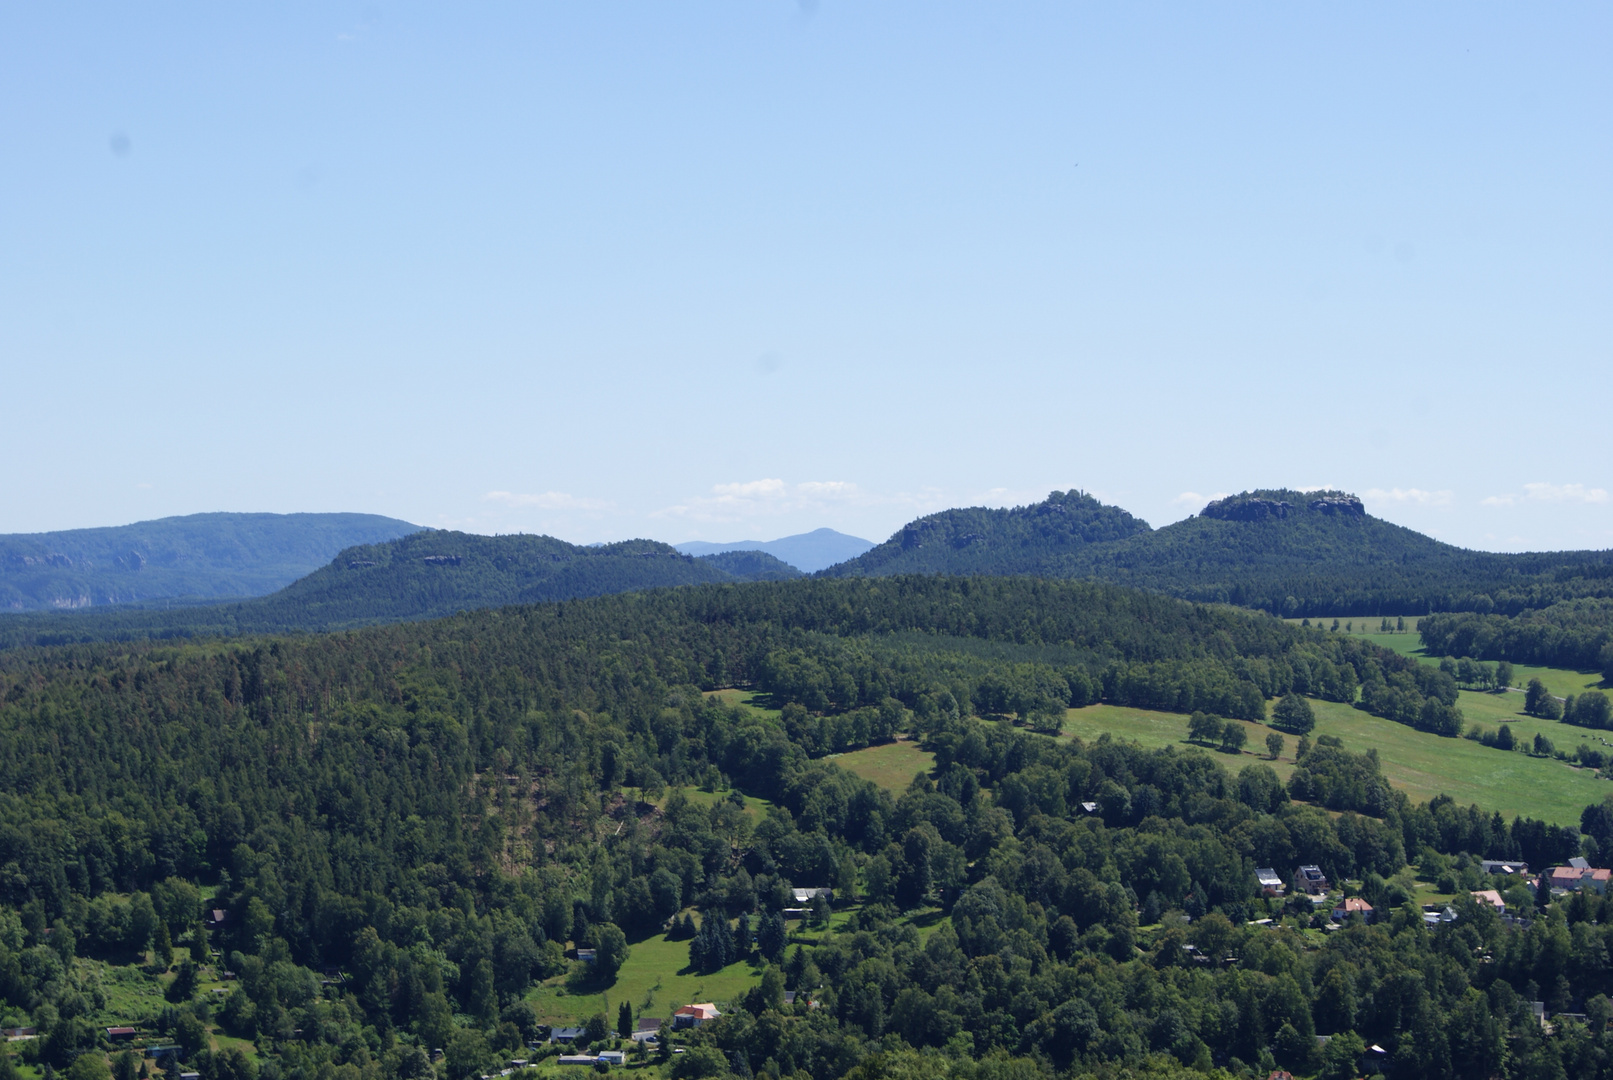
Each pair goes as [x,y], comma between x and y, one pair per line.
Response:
[1289,552]
[198,555]
[1036,539]
[420,576]
[1314,553]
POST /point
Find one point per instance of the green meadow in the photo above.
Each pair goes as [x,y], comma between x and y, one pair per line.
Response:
[1420,764]
[655,981]
[891,766]
[1559,681]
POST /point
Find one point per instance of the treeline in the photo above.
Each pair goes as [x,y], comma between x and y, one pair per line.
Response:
[440,811]
[427,574]
[1575,634]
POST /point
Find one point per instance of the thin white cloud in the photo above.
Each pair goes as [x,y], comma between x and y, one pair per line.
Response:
[1193,498]
[1409,495]
[828,489]
[773,497]
[1544,492]
[547,500]
[751,489]
[1565,493]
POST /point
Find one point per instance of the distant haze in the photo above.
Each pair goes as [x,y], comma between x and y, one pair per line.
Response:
[807,552]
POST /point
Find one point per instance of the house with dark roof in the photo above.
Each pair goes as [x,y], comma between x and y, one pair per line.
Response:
[1310,880]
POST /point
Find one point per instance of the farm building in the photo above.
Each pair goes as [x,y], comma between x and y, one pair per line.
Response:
[1504,866]
[806,896]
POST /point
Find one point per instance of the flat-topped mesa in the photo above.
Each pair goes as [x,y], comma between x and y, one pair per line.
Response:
[1281,504]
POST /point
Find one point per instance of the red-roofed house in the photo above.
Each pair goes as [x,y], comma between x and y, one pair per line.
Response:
[695,1015]
[1353,905]
[1574,878]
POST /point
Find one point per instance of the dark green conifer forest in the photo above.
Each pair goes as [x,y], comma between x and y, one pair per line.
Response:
[406,826]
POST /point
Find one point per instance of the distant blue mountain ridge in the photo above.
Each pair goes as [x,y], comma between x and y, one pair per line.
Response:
[807,552]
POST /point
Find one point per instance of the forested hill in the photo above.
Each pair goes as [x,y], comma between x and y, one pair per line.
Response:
[1037,539]
[438,813]
[1289,552]
[424,575]
[199,555]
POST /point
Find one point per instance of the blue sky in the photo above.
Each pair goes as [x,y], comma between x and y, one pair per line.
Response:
[724,270]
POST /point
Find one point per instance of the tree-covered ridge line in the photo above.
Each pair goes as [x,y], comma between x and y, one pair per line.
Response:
[1288,552]
[196,556]
[439,810]
[425,575]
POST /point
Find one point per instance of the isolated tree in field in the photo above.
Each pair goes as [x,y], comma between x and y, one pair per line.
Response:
[1047,717]
[1293,714]
[610,949]
[1543,746]
[624,1020]
[1274,745]
[1400,625]
[1504,739]
[1233,736]
[771,936]
[1590,709]
[1439,718]
[1537,701]
[1503,675]
[1205,728]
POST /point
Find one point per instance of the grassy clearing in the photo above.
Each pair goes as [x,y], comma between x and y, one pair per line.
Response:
[1560,681]
[749,700]
[131,995]
[891,766]
[1417,763]
[655,980]
[756,807]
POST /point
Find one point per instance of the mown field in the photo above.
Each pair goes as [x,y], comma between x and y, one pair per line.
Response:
[891,766]
[656,980]
[1559,681]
